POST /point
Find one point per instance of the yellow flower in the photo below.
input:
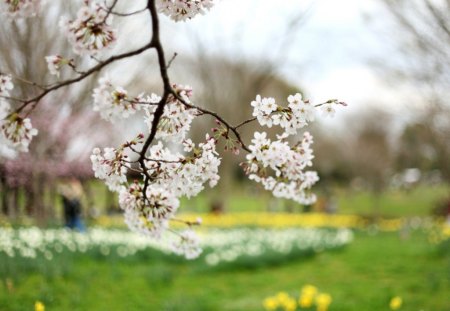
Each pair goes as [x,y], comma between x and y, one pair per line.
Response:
[323,301]
[309,290]
[395,303]
[270,303]
[305,301]
[39,306]
[290,304]
[282,297]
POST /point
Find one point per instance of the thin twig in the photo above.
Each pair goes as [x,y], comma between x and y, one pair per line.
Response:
[128,14]
[244,123]
[171,60]
[215,115]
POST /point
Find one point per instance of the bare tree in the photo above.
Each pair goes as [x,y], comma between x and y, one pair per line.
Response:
[422,37]
[68,127]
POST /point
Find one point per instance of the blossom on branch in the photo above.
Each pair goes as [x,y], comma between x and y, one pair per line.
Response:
[184,175]
[164,174]
[182,10]
[176,119]
[19,8]
[113,102]
[6,85]
[56,62]
[110,167]
[91,31]
[292,118]
[18,132]
[280,167]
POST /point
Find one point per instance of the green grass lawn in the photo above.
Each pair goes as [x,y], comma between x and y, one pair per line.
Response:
[418,201]
[362,276]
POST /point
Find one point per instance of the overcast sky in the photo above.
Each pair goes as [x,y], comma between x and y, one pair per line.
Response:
[327,55]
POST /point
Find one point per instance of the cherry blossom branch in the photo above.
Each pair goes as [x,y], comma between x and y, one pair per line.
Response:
[245,122]
[128,14]
[155,43]
[171,60]
[109,10]
[215,115]
[27,81]
[35,100]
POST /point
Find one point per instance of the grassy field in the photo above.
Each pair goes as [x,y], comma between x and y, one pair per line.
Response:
[362,276]
[418,201]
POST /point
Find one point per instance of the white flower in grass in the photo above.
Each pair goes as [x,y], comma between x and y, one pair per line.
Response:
[187,245]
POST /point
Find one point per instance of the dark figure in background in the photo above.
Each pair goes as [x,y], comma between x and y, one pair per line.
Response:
[71,193]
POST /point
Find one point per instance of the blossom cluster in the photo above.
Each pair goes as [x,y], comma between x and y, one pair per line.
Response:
[6,85]
[181,10]
[298,114]
[280,167]
[19,8]
[91,31]
[165,173]
[148,207]
[110,167]
[17,132]
[113,102]
[176,119]
[173,175]
[277,165]
[56,62]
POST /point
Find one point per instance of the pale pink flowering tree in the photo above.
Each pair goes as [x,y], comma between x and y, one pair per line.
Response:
[166,174]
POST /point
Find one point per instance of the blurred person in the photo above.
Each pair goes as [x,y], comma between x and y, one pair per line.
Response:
[71,193]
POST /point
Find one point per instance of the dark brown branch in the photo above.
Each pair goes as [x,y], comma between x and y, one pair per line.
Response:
[109,10]
[156,43]
[244,123]
[128,14]
[171,60]
[98,67]
[215,115]
[440,19]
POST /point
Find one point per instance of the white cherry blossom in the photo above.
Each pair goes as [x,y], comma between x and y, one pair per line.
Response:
[18,132]
[91,31]
[110,167]
[56,62]
[19,8]
[113,102]
[181,10]
[176,119]
[6,85]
